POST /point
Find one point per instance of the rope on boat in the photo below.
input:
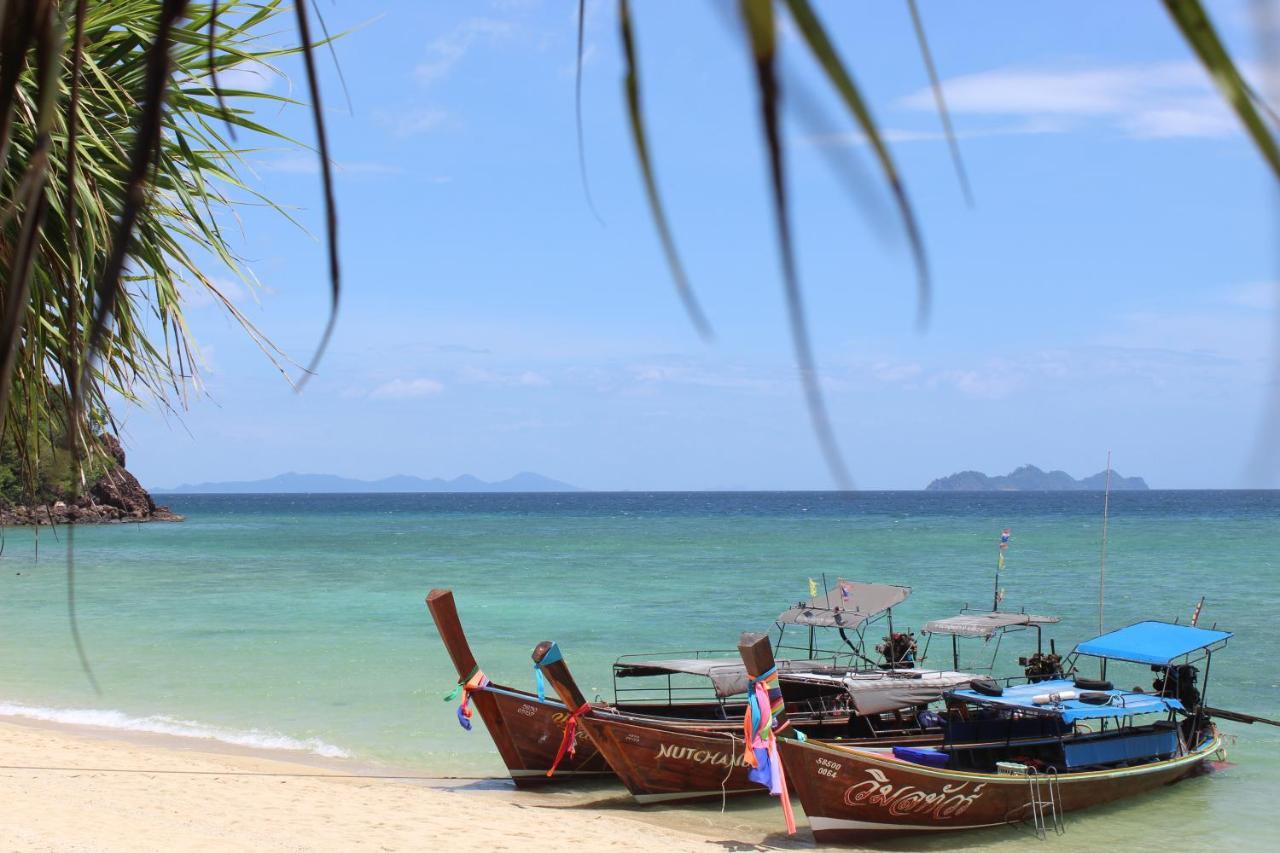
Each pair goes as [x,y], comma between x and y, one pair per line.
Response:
[724,783]
[477,680]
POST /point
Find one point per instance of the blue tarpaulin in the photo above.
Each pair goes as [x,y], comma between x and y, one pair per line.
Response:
[1121,703]
[1157,643]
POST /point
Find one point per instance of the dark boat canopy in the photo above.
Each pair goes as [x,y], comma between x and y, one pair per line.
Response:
[1158,643]
[847,606]
[984,625]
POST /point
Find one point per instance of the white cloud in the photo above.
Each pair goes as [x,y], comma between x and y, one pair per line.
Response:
[524,379]
[1154,100]
[898,135]
[250,75]
[415,122]
[448,50]
[730,378]
[1264,295]
[197,295]
[403,389]
[309,164]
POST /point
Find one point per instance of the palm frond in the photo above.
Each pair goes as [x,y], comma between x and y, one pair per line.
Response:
[1194,24]
[940,101]
[635,113]
[758,17]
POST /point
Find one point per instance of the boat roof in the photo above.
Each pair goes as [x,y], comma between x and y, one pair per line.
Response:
[1122,703]
[985,624]
[878,691]
[848,605]
[728,677]
[1157,643]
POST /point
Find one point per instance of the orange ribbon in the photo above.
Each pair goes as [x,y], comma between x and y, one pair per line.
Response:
[568,744]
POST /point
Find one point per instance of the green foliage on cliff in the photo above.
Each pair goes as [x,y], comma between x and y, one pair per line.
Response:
[54,469]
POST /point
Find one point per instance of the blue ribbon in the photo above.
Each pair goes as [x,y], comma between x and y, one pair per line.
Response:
[552,655]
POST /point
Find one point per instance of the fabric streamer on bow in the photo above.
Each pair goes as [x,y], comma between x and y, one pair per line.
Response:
[552,655]
[760,730]
[476,681]
[569,743]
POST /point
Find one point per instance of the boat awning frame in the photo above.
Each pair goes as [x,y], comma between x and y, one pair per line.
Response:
[848,605]
[1155,643]
[985,624]
[1122,703]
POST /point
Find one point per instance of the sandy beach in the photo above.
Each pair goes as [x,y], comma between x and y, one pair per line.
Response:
[84,789]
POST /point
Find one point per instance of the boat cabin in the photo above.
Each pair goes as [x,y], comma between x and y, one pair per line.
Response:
[850,608]
[1076,724]
[643,681]
[840,681]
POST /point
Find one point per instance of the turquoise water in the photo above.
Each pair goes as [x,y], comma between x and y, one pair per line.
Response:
[298,621]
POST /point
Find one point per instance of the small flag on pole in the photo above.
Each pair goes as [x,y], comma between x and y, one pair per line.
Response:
[1004,539]
[1000,562]
[813,588]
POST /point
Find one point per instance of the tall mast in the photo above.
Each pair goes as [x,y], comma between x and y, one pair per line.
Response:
[1102,559]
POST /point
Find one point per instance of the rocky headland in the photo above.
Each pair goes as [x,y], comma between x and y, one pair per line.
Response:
[116,496]
[1029,478]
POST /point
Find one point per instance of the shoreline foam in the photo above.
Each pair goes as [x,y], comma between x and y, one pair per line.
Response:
[161,724]
[68,788]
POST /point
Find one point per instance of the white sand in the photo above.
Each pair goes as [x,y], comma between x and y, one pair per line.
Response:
[62,789]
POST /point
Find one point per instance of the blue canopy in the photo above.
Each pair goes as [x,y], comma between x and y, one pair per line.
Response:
[1121,704]
[1157,643]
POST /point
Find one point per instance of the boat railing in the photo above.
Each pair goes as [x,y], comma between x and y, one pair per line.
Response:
[696,654]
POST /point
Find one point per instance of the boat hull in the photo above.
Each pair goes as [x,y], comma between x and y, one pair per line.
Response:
[858,795]
[528,733]
[661,762]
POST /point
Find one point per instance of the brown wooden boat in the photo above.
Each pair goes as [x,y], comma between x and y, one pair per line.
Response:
[526,730]
[855,795]
[1022,753]
[664,760]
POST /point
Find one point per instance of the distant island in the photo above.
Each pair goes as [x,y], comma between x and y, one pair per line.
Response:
[1029,478]
[292,482]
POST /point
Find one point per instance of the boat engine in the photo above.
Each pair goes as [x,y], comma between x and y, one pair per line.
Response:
[898,650]
[1178,682]
[1041,666]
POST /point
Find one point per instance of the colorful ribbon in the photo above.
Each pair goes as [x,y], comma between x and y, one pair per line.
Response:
[760,732]
[569,743]
[477,680]
[552,655]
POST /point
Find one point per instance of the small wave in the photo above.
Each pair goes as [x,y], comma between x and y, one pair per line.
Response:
[160,724]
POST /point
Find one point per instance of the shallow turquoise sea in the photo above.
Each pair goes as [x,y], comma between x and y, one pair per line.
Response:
[297,622]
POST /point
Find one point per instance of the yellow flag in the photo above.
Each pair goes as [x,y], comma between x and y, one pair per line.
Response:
[813,588]
[1000,562]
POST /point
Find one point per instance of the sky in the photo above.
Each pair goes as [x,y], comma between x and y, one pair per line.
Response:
[1113,287]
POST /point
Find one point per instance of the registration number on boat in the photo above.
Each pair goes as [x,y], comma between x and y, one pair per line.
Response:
[827,767]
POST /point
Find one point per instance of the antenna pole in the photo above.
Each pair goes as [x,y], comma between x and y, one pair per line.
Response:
[1102,559]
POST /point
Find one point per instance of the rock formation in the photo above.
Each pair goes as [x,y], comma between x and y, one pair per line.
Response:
[116,496]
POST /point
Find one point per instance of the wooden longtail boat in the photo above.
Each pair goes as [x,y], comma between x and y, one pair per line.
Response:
[664,760]
[526,730]
[1023,753]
